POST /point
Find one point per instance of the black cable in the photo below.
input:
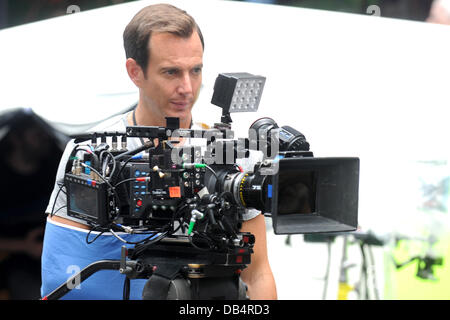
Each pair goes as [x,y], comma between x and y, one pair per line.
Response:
[212,171]
[73,153]
[180,211]
[99,175]
[153,234]
[65,206]
[96,237]
[114,164]
[140,247]
[62,185]
[106,164]
[128,160]
[210,213]
[123,165]
[197,247]
[146,145]
[126,288]
[56,198]
[179,226]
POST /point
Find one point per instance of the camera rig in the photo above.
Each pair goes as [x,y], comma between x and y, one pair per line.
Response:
[189,200]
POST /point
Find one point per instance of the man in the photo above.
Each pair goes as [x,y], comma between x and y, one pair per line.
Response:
[164,50]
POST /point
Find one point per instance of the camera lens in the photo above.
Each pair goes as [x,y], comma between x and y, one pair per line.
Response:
[247,189]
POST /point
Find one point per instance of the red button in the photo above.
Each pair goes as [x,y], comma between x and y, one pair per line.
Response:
[139,202]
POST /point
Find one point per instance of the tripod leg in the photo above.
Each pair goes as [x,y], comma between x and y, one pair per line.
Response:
[156,288]
[219,288]
[158,285]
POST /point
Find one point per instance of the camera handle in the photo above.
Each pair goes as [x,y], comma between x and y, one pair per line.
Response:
[67,286]
[129,268]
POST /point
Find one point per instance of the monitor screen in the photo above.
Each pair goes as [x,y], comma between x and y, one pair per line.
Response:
[83,200]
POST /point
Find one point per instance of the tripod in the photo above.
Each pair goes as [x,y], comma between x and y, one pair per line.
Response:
[175,271]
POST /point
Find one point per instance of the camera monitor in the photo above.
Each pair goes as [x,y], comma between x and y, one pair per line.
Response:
[86,199]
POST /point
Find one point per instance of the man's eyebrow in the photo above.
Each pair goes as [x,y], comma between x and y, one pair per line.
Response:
[163,69]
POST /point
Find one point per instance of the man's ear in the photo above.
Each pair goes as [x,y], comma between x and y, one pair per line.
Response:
[134,72]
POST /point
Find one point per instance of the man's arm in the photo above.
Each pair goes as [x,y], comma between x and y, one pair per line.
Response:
[258,275]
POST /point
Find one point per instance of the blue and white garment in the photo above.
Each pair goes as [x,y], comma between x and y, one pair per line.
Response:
[66,252]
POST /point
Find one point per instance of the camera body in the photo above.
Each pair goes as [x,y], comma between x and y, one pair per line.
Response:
[160,187]
[202,188]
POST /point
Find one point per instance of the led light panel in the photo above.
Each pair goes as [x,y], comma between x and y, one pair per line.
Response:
[238,92]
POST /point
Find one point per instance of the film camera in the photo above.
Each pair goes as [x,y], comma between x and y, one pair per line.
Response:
[190,200]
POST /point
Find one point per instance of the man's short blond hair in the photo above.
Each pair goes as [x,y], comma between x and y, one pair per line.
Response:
[156,18]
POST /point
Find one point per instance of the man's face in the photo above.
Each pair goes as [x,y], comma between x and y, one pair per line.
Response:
[173,77]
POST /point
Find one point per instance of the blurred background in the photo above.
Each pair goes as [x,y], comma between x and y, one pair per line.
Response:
[17,12]
[386,101]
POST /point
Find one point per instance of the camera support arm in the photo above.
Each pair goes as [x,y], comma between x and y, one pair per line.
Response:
[130,268]
[67,286]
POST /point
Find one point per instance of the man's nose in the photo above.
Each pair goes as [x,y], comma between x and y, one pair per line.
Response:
[185,86]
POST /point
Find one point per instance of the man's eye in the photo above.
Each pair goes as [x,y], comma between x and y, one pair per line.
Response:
[171,72]
[197,70]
